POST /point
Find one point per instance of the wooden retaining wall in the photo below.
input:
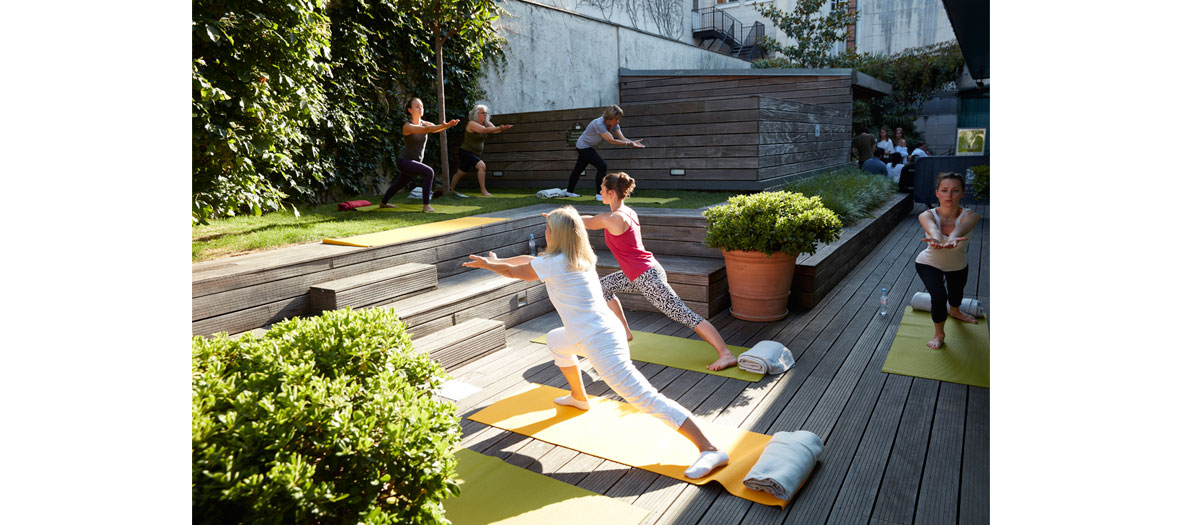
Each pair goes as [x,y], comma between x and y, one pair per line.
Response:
[742,143]
[830,88]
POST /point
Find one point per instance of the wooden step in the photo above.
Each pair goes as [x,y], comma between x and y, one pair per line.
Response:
[460,344]
[699,281]
[373,288]
[469,295]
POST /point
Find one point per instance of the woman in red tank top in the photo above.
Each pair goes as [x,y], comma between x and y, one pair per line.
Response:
[640,272]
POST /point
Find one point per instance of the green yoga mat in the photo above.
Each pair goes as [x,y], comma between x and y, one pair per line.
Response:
[964,358]
[492,491]
[678,352]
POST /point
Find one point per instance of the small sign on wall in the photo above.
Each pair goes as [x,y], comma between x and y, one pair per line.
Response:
[572,134]
[971,141]
[817,130]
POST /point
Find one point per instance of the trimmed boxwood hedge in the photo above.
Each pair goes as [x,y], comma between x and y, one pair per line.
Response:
[328,419]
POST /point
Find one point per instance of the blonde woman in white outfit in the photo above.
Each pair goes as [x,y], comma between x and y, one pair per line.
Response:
[590,329]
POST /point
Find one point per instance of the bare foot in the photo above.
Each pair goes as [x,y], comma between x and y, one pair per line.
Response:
[963,317]
[427,209]
[935,343]
[388,205]
[485,194]
[725,361]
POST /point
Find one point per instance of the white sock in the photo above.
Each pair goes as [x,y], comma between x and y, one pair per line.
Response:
[569,401]
[705,464]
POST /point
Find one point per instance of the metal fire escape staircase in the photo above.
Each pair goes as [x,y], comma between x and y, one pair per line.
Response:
[711,25]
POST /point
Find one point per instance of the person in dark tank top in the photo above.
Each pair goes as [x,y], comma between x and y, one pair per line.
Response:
[415,132]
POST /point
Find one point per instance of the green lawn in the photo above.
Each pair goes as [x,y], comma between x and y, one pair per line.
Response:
[244,234]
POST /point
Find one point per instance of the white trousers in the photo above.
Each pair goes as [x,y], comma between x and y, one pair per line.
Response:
[609,354]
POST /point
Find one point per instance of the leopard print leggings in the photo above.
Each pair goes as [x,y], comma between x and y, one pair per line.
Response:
[653,284]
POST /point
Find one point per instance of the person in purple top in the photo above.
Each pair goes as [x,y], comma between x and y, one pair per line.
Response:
[409,163]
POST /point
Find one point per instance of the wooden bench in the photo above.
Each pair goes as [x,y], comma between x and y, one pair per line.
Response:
[373,288]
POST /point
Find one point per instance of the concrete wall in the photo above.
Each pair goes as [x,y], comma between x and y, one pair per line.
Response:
[557,59]
[891,26]
[668,18]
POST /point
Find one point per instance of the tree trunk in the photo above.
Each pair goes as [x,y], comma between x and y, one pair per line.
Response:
[445,168]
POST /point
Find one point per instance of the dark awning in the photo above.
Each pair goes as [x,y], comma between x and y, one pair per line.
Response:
[971,21]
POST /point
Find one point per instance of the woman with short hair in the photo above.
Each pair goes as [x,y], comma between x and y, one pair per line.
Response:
[479,126]
[604,128]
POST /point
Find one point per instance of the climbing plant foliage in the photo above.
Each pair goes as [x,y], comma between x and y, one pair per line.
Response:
[294,100]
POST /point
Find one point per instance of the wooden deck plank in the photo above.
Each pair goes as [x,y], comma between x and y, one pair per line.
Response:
[898,449]
[974,489]
[938,497]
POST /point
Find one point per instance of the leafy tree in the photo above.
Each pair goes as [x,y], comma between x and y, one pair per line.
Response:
[915,74]
[813,34]
[445,19]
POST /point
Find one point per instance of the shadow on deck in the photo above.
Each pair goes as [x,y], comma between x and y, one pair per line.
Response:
[898,449]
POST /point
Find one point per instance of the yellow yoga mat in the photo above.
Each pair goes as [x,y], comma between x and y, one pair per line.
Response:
[618,432]
[412,233]
[492,491]
[445,209]
[965,356]
[678,352]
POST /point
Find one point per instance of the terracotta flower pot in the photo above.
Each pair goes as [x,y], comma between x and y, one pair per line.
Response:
[759,286]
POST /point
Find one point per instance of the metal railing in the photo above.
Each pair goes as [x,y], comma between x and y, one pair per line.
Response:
[720,25]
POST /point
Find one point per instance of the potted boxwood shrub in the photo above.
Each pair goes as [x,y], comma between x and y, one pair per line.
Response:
[761,235]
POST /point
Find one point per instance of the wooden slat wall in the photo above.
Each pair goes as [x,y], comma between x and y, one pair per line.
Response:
[789,145]
[714,141]
[744,143]
[833,91]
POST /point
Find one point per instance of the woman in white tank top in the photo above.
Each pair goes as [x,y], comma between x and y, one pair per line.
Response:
[942,266]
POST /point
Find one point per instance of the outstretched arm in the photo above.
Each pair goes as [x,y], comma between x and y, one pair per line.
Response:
[522,270]
[427,127]
[933,236]
[970,219]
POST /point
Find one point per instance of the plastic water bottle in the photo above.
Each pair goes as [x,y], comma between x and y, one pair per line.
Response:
[532,245]
[884,301]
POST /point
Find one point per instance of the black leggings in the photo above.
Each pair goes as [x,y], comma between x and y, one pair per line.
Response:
[940,293]
[587,156]
[410,169]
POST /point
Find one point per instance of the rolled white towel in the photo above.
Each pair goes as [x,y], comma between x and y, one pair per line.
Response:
[550,193]
[415,193]
[921,301]
[766,357]
[785,463]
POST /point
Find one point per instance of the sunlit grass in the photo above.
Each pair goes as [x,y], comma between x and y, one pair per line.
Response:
[244,234]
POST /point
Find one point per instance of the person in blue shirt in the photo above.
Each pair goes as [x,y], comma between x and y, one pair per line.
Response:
[604,128]
[875,164]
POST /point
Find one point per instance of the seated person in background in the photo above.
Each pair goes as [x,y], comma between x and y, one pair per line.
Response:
[875,164]
[893,169]
[899,144]
[919,152]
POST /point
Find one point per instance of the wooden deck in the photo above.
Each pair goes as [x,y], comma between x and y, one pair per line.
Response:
[897,449]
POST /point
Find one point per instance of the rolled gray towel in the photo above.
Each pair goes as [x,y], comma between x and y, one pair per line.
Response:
[785,463]
[766,357]
[921,301]
[550,193]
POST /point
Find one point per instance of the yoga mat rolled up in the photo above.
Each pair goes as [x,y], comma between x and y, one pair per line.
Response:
[921,302]
[621,433]
[351,205]
[492,491]
[785,464]
[685,354]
